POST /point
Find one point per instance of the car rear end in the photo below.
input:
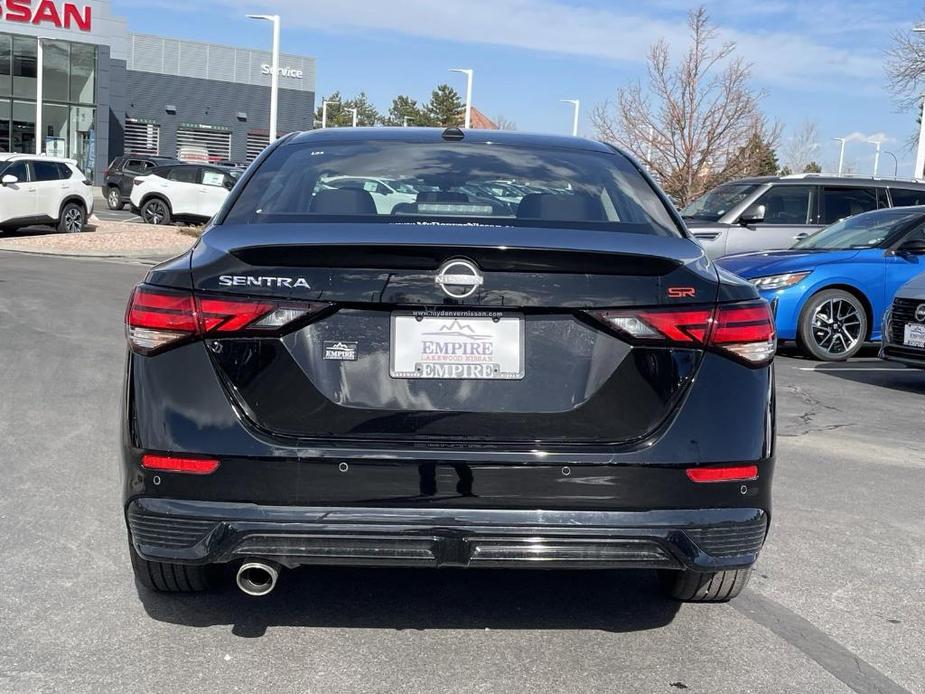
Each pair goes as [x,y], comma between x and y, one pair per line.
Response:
[571,386]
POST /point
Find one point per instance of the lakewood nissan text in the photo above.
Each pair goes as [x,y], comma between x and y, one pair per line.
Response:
[454,381]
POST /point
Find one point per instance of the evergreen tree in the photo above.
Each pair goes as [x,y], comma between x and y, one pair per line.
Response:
[405,107]
[812,167]
[445,108]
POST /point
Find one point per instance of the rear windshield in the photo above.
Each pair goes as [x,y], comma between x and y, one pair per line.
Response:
[453,183]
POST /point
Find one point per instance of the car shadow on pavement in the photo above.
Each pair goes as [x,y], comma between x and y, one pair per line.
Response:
[419,599]
[907,380]
[27,232]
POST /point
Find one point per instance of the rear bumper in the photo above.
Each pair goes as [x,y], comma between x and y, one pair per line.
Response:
[200,532]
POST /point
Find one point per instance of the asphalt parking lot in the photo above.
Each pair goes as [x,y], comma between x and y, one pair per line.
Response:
[837,603]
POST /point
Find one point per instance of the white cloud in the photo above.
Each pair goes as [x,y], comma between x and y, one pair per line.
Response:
[797,60]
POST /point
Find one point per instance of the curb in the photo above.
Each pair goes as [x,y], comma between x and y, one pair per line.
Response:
[153,255]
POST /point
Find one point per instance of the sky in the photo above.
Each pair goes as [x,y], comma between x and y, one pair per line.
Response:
[821,61]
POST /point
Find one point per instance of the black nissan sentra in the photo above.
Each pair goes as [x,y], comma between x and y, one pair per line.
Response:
[339,373]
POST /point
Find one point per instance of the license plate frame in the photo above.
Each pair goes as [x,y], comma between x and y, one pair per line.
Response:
[471,345]
[914,335]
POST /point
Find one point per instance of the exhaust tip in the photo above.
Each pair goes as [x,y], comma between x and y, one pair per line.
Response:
[257,578]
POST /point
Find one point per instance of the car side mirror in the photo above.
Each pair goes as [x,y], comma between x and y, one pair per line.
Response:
[911,247]
[9,180]
[753,214]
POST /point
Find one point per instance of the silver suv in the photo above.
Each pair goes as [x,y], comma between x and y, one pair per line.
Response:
[770,212]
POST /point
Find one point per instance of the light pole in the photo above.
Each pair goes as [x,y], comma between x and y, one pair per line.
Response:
[39,86]
[876,155]
[841,154]
[274,69]
[577,104]
[324,112]
[404,121]
[468,73]
[895,164]
[354,112]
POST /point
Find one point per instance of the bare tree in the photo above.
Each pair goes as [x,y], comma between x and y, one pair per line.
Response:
[801,149]
[905,67]
[692,122]
[504,123]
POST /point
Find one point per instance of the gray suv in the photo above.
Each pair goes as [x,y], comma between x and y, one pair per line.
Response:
[770,212]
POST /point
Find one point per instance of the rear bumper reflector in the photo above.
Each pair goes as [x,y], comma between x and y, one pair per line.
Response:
[736,473]
[170,463]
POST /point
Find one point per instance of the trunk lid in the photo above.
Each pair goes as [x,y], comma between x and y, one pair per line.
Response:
[343,376]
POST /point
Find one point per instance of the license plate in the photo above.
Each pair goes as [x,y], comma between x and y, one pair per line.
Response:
[457,345]
[914,335]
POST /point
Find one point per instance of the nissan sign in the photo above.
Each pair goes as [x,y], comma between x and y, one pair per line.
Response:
[292,72]
[62,15]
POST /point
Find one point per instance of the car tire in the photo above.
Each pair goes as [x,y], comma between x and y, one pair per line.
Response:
[114,199]
[162,577]
[72,219]
[155,211]
[833,325]
[711,586]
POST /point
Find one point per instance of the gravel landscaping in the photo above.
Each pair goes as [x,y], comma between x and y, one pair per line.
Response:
[104,238]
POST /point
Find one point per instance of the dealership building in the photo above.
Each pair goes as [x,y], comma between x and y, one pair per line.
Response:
[107,91]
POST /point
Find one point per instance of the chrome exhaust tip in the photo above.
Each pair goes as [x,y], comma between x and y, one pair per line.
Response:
[257,578]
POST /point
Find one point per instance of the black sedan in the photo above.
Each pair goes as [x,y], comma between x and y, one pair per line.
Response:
[449,382]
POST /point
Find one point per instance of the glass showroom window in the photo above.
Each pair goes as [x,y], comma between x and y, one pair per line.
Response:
[24,66]
[6,65]
[83,74]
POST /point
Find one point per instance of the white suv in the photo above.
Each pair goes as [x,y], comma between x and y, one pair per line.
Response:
[36,189]
[188,192]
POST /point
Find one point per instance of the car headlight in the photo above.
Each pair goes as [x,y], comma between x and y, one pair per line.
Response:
[779,281]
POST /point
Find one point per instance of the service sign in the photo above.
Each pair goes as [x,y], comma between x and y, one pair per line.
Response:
[61,15]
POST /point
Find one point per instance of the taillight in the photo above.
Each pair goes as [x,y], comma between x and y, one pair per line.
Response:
[158,318]
[173,463]
[746,330]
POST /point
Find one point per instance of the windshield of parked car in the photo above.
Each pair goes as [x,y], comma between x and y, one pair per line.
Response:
[453,183]
[861,231]
[713,205]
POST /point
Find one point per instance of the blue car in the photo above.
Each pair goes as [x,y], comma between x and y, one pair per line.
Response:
[829,291]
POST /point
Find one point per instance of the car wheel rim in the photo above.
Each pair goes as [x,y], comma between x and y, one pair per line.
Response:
[73,220]
[154,213]
[837,326]
[113,197]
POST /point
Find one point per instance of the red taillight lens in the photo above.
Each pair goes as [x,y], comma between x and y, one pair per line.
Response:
[744,330]
[735,473]
[171,463]
[158,318]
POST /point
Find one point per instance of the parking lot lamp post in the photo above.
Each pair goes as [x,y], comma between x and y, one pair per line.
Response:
[404,121]
[876,155]
[577,104]
[274,69]
[895,164]
[324,112]
[468,73]
[841,154]
[354,112]
[39,86]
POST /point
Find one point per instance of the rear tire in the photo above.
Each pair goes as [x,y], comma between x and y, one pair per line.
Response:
[155,211]
[171,578]
[72,219]
[833,326]
[114,199]
[694,586]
